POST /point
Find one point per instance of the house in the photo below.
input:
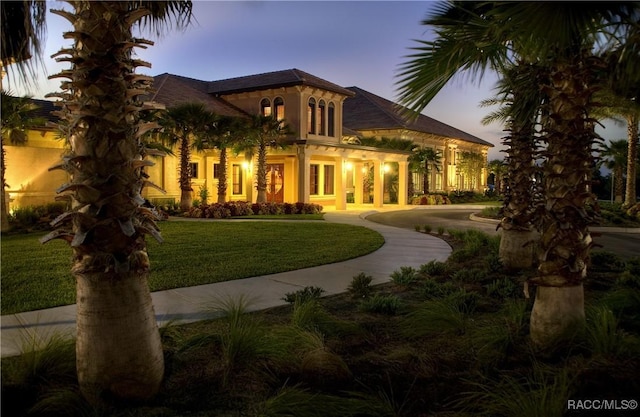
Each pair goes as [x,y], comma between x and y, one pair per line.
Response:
[324,162]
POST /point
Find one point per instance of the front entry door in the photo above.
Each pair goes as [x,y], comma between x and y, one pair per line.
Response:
[275,183]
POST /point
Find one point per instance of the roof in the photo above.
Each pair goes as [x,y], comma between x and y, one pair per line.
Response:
[367,111]
[173,90]
[44,109]
[276,79]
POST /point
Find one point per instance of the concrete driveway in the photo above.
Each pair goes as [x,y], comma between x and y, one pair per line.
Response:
[625,243]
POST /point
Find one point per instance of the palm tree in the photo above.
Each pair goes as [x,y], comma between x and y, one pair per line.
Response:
[265,132]
[23,31]
[498,168]
[520,98]
[17,118]
[562,40]
[423,159]
[614,157]
[118,349]
[470,166]
[191,126]
[229,132]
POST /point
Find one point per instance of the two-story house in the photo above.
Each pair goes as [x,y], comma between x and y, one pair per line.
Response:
[324,162]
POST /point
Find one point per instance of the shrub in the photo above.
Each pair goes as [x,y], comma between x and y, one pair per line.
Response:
[381,304]
[360,286]
[432,289]
[417,227]
[440,230]
[405,276]
[493,262]
[427,228]
[304,295]
[36,217]
[469,276]
[503,288]
[433,268]
[606,261]
[244,208]
[603,335]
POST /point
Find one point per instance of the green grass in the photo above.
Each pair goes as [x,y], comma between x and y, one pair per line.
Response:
[36,276]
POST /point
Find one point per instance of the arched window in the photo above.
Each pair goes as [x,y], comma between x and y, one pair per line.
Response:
[278,107]
[322,118]
[265,107]
[311,116]
[331,116]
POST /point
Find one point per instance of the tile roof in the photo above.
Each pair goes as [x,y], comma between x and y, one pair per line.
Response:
[367,111]
[173,90]
[284,78]
[44,109]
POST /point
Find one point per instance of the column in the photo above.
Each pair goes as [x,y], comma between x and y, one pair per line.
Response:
[358,179]
[378,183]
[303,161]
[403,182]
[341,184]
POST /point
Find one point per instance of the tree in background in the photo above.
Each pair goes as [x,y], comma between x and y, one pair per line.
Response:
[613,156]
[17,118]
[422,160]
[190,126]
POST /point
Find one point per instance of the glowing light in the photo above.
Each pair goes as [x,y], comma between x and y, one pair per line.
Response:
[386,168]
[348,166]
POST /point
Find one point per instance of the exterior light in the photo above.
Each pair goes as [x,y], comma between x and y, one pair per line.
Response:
[348,166]
[385,168]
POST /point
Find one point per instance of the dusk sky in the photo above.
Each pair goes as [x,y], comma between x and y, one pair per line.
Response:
[350,43]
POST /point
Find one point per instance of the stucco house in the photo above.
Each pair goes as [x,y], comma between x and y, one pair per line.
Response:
[324,162]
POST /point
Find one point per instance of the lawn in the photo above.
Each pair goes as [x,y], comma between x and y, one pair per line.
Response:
[36,276]
[448,339]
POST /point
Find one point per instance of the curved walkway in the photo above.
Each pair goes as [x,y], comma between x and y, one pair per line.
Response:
[402,247]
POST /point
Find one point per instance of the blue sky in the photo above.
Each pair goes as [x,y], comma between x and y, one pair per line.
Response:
[350,43]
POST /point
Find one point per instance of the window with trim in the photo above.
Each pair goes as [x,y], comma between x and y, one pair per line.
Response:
[278,107]
[265,107]
[321,118]
[313,179]
[331,120]
[193,170]
[216,171]
[311,116]
[236,174]
[328,179]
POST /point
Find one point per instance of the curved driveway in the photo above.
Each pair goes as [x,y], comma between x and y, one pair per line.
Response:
[619,241]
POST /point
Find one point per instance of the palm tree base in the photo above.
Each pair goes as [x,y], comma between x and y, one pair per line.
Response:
[557,315]
[118,347]
[517,248]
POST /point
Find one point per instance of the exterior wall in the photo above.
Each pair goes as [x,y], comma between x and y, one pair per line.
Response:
[30,181]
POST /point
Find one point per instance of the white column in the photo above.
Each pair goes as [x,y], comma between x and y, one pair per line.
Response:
[403,182]
[378,183]
[341,184]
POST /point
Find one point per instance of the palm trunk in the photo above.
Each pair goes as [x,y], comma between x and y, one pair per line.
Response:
[558,310]
[426,178]
[222,176]
[117,329]
[618,184]
[632,157]
[186,191]
[261,180]
[4,215]
[118,353]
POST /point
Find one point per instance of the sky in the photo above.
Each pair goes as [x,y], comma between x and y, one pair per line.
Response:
[349,43]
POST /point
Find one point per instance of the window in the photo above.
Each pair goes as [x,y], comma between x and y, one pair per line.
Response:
[278,106]
[236,173]
[265,107]
[331,116]
[216,171]
[313,179]
[328,179]
[321,118]
[193,170]
[311,116]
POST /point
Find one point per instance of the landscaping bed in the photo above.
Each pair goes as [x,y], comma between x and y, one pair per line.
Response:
[447,339]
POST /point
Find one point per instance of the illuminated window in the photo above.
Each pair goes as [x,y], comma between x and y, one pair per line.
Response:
[331,116]
[278,106]
[321,118]
[313,179]
[193,170]
[328,179]
[236,173]
[216,171]
[311,116]
[265,107]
